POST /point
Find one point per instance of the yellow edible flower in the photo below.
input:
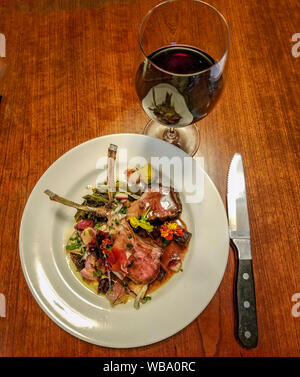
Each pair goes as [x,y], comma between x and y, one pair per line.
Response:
[134,221]
[143,223]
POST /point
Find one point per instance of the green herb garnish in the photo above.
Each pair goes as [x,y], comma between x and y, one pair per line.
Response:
[129,245]
[97,273]
[74,245]
[123,210]
[165,243]
[83,255]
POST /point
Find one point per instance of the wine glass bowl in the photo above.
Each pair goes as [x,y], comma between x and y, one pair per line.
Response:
[183,49]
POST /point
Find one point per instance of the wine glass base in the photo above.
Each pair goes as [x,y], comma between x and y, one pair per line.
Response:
[186,138]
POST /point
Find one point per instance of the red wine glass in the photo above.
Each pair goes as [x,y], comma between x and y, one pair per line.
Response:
[183,46]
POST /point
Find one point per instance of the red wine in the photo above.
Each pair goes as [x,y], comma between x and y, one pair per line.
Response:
[181,60]
[178,85]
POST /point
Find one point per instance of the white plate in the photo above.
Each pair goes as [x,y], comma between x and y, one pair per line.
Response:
[71,304]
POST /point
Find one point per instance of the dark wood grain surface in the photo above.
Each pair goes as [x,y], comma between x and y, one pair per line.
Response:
[69,78]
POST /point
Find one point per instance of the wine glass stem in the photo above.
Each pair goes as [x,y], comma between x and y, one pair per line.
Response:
[171,135]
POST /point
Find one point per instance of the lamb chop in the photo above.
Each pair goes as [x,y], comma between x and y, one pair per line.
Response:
[98,211]
[165,204]
[143,255]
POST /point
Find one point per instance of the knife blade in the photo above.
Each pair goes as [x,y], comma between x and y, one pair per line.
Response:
[239,231]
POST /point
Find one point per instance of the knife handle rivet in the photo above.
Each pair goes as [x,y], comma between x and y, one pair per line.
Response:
[245,276]
[247,334]
[246,304]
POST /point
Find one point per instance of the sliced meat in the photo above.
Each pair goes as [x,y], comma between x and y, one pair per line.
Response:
[184,239]
[82,224]
[172,253]
[143,254]
[165,204]
[123,235]
[88,271]
[117,260]
[144,263]
[87,235]
[117,295]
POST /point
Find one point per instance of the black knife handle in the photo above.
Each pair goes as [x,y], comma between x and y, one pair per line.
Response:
[247,320]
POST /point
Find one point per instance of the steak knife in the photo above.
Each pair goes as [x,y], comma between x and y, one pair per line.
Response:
[239,231]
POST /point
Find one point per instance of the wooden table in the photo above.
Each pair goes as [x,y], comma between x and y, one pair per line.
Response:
[70,78]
